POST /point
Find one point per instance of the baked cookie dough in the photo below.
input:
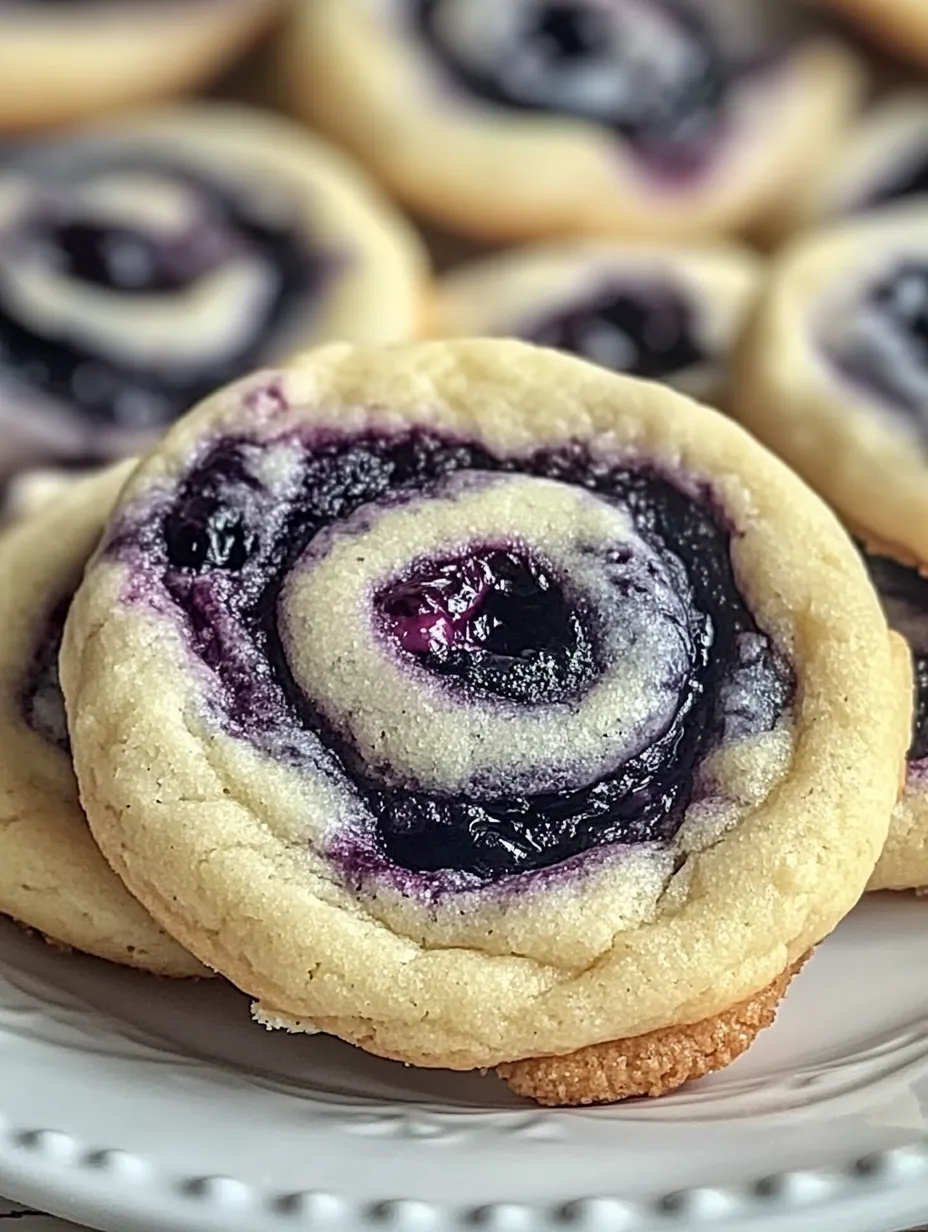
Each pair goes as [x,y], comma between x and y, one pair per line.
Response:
[904,862]
[61,62]
[671,315]
[473,703]
[834,371]
[146,261]
[901,26]
[882,161]
[533,118]
[52,876]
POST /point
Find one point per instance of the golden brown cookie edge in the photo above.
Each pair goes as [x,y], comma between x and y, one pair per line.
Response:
[652,1064]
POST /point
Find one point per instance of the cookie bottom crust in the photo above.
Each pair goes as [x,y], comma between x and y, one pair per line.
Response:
[651,1064]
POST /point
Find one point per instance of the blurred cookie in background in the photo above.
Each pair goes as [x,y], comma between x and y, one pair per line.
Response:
[146,261]
[60,62]
[834,371]
[670,315]
[642,118]
[899,26]
[882,161]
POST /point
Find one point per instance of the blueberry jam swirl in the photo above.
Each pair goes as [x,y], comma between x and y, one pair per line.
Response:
[41,701]
[881,345]
[904,593]
[132,286]
[646,329]
[500,663]
[657,72]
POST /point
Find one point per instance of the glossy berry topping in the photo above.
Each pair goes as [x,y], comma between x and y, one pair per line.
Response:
[644,329]
[498,621]
[653,70]
[493,630]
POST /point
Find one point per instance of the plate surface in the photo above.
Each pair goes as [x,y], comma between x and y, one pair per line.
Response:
[138,1105]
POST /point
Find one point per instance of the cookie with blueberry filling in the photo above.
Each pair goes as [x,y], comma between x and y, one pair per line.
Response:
[901,26]
[61,60]
[146,261]
[903,589]
[664,314]
[833,375]
[882,162]
[475,704]
[52,875]
[642,118]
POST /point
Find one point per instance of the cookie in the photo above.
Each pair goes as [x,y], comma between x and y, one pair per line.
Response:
[882,161]
[668,119]
[834,371]
[473,703]
[61,62]
[664,314]
[52,876]
[904,862]
[900,26]
[148,260]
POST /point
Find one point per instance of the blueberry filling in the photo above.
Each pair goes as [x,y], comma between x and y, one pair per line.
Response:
[497,622]
[41,701]
[904,593]
[646,330]
[100,379]
[884,348]
[654,71]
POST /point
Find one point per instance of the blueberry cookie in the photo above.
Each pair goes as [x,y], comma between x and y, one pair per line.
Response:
[671,315]
[901,26]
[144,262]
[660,118]
[904,592]
[834,371]
[63,61]
[882,161]
[473,703]
[52,876]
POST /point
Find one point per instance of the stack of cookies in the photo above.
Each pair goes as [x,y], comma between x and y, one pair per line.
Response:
[424,656]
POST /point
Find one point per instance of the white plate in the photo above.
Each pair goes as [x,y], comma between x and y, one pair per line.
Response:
[137,1105]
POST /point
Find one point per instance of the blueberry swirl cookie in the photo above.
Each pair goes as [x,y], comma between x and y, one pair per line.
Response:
[660,118]
[483,707]
[901,26]
[882,161]
[61,60]
[664,314]
[833,375]
[52,875]
[144,262]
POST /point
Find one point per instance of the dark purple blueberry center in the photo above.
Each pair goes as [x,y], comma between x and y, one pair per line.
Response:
[104,385]
[646,330]
[41,700]
[886,349]
[498,621]
[668,96]
[905,596]
[124,260]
